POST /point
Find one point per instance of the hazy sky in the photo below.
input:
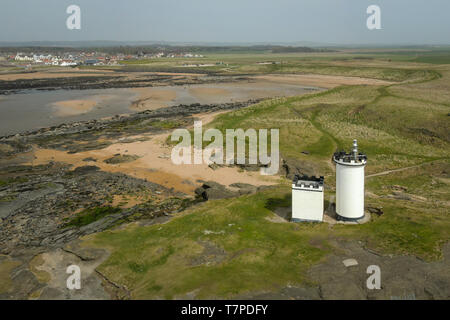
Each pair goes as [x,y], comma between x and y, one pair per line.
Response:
[325,21]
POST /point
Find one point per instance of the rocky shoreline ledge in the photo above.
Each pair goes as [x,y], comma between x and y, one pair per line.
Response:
[36,201]
[46,208]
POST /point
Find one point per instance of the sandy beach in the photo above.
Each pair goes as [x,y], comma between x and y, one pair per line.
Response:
[154,164]
[73,107]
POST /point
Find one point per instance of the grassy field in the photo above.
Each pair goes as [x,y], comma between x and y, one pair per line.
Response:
[392,66]
[90,215]
[229,247]
[221,249]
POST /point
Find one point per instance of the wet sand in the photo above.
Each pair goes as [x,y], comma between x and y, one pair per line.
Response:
[151,99]
[73,107]
[157,97]
[36,109]
[202,93]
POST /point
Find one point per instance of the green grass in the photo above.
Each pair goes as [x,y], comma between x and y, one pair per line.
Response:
[397,131]
[13,180]
[169,261]
[6,266]
[426,180]
[165,124]
[434,58]
[90,215]
[391,66]
[8,198]
[157,261]
[404,230]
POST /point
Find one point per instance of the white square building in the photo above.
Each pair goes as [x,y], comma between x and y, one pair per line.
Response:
[307,198]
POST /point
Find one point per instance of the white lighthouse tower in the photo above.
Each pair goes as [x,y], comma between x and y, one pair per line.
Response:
[350,184]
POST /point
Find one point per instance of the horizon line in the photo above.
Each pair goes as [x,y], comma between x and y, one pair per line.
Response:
[299,43]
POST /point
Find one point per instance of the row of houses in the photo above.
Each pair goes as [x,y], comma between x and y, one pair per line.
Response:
[45,59]
[66,60]
[90,58]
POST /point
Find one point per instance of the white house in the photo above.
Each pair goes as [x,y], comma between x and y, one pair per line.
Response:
[19,57]
[307,198]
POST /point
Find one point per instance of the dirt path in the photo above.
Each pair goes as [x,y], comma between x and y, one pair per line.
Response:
[332,140]
[383,173]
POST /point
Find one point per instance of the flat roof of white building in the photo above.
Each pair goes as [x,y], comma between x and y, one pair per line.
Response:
[308,183]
